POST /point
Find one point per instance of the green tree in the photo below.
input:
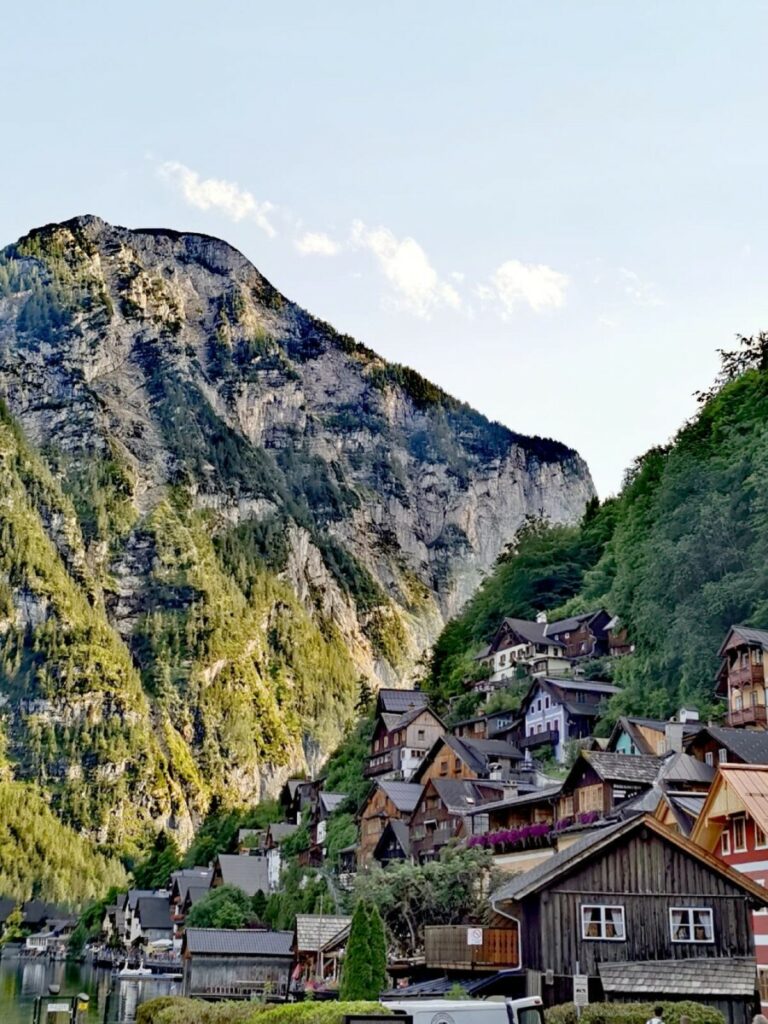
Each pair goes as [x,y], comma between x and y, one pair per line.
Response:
[377,940]
[259,904]
[356,972]
[223,907]
[155,871]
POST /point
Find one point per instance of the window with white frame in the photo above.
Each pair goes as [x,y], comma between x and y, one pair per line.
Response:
[722,755]
[761,840]
[709,757]
[739,834]
[725,842]
[603,922]
[763,910]
[691,924]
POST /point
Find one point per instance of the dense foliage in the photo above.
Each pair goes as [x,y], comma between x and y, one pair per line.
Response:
[226,906]
[364,970]
[176,1010]
[680,555]
[633,1013]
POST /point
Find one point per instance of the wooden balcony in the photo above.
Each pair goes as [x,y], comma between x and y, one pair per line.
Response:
[757,715]
[749,675]
[380,763]
[550,737]
[447,947]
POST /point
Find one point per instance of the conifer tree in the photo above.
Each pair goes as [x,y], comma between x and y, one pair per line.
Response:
[356,975]
[377,940]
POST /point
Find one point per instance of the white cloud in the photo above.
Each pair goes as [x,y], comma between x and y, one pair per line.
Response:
[536,285]
[641,292]
[216,194]
[417,285]
[316,243]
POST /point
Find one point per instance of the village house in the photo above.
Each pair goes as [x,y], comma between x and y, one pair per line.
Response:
[276,835]
[716,745]
[221,963]
[494,725]
[398,702]
[653,736]
[394,844]
[152,921]
[441,813]
[557,711]
[127,903]
[181,882]
[323,808]
[733,825]
[742,676]
[598,782]
[319,941]
[618,638]
[288,799]
[643,913]
[400,741]
[250,840]
[517,830]
[386,801]
[454,758]
[247,873]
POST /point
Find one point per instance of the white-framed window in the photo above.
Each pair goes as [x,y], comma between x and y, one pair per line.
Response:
[604,923]
[761,840]
[763,911]
[709,757]
[739,834]
[722,755]
[691,924]
[725,842]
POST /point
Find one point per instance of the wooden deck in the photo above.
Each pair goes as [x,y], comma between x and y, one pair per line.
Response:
[455,947]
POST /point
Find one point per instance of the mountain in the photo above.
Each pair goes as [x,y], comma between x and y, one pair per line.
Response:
[219,520]
[681,554]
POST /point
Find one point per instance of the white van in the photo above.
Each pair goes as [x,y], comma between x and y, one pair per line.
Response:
[469,1011]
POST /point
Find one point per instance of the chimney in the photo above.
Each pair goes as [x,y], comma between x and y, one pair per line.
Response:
[510,790]
[687,715]
[674,736]
[541,617]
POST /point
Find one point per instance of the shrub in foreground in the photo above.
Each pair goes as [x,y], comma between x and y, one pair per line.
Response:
[176,1010]
[632,1013]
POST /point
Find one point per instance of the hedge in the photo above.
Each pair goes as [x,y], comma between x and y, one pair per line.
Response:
[175,1010]
[632,1013]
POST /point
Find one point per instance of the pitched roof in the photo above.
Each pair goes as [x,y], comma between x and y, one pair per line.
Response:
[154,912]
[683,768]
[331,801]
[248,873]
[632,768]
[750,784]
[521,800]
[314,931]
[404,795]
[476,754]
[238,942]
[280,830]
[460,796]
[195,893]
[560,863]
[182,880]
[758,637]
[565,625]
[400,701]
[531,632]
[586,685]
[402,833]
[702,976]
[749,745]
[134,895]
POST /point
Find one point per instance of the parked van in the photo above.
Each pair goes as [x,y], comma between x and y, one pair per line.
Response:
[469,1011]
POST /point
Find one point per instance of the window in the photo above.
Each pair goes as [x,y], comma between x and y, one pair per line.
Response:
[581,697]
[443,767]
[691,924]
[762,983]
[601,922]
[725,842]
[757,656]
[457,764]
[566,807]
[722,755]
[538,704]
[709,757]
[739,834]
[546,702]
[421,734]
[737,701]
[761,840]
[480,824]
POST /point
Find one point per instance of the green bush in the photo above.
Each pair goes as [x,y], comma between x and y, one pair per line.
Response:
[175,1010]
[315,1012]
[632,1013]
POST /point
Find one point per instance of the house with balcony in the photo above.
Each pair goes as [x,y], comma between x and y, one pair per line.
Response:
[733,826]
[518,830]
[442,813]
[556,711]
[495,725]
[401,741]
[452,757]
[742,674]
[599,782]
[715,744]
[386,801]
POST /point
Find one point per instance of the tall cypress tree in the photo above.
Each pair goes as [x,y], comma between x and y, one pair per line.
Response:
[377,939]
[356,976]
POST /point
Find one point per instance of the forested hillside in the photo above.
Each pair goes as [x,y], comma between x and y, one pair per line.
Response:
[679,555]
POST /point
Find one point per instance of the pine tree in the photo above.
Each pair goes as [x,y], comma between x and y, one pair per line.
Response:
[356,976]
[377,940]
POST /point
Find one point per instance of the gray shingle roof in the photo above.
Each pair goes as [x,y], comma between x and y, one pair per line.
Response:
[705,976]
[280,830]
[248,873]
[532,632]
[749,745]
[460,796]
[240,942]
[566,625]
[134,895]
[633,768]
[401,701]
[331,801]
[195,893]
[314,931]
[521,800]
[681,768]
[404,795]
[154,912]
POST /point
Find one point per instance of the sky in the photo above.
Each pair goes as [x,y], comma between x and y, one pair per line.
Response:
[554,210]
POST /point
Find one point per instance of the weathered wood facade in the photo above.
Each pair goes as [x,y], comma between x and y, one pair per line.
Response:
[634,893]
[226,964]
[466,948]
[386,802]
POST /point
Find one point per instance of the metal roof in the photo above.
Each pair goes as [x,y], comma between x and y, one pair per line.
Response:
[248,873]
[587,685]
[404,795]
[154,912]
[702,976]
[331,801]
[316,931]
[238,942]
[750,783]
[685,768]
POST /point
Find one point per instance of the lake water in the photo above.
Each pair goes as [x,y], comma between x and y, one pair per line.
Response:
[22,980]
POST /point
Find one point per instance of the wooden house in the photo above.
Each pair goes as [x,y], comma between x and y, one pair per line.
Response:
[319,941]
[441,813]
[386,801]
[289,800]
[494,725]
[317,819]
[742,676]
[401,741]
[153,920]
[644,913]
[394,844]
[716,745]
[632,735]
[600,781]
[399,702]
[733,825]
[617,635]
[558,711]
[221,963]
[247,873]
[454,758]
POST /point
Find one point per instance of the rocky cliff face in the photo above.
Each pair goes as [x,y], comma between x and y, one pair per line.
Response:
[219,515]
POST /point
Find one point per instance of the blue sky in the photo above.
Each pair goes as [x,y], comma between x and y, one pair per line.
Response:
[555,210]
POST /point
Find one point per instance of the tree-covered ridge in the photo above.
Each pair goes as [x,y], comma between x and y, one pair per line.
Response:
[680,555]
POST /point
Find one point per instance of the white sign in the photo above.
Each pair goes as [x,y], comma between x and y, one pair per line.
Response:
[581,990]
[474,936]
[58,1008]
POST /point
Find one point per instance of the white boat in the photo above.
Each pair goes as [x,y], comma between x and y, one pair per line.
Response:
[135,972]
